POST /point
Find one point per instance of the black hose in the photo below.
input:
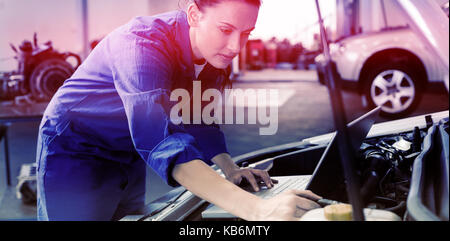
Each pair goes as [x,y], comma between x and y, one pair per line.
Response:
[402,188]
[417,142]
[399,208]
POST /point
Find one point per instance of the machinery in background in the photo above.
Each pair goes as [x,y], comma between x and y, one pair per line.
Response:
[255,54]
[41,71]
[26,188]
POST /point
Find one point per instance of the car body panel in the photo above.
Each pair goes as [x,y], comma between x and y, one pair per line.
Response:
[388,127]
[352,53]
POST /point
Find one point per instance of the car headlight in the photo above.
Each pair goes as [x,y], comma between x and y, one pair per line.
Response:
[342,48]
[319,58]
[334,48]
[337,49]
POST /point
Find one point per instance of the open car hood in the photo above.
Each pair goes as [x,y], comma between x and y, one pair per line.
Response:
[431,24]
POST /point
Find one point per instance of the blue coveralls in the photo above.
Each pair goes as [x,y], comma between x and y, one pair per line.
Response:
[112,114]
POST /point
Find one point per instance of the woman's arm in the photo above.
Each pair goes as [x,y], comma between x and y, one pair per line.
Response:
[225,163]
[207,184]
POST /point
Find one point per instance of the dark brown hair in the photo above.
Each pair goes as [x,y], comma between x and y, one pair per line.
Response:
[201,4]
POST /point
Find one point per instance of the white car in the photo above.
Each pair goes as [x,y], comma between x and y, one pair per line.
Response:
[391,68]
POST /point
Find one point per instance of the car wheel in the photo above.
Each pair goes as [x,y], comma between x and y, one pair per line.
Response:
[47,77]
[394,88]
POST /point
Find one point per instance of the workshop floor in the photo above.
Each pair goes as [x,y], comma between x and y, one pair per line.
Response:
[305,111]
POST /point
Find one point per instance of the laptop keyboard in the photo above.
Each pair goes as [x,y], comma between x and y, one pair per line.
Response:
[292,183]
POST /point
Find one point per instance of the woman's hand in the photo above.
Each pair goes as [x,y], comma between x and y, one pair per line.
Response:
[251,175]
[289,205]
[234,174]
[207,184]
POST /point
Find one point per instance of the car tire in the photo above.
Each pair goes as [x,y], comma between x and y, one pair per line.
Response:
[395,87]
[47,77]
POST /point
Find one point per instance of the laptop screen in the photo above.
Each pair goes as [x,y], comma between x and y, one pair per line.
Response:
[328,178]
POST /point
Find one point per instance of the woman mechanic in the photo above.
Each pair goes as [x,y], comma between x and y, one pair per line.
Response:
[110,119]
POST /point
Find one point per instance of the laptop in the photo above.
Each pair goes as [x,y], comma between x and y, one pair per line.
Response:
[327,179]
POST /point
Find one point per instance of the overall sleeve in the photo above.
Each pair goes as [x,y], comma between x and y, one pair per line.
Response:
[141,69]
[210,139]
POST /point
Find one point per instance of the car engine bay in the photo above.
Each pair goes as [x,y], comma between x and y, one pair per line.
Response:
[385,167]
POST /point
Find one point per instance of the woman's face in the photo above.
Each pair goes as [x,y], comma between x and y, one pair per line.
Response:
[219,32]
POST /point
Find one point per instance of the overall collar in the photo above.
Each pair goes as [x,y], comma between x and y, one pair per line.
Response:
[185,55]
[210,74]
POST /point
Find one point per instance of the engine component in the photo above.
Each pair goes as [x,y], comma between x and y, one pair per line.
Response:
[40,72]
[342,212]
[48,76]
[402,145]
[417,142]
[385,169]
[10,85]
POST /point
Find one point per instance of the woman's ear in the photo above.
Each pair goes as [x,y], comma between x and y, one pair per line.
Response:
[193,14]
